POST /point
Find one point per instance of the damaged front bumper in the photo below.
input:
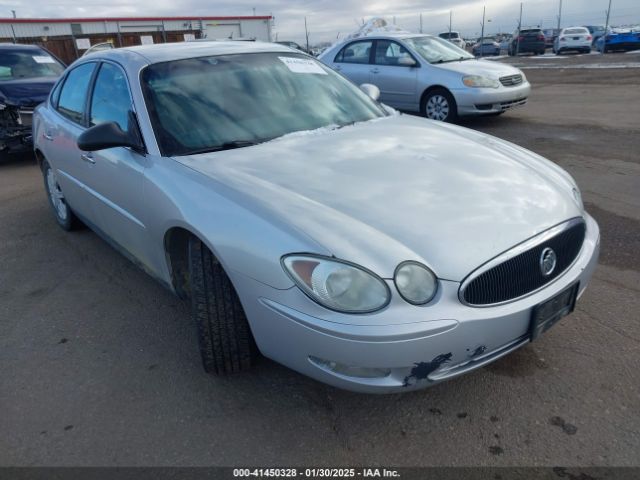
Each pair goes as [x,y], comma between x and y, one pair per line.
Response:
[378,353]
[15,129]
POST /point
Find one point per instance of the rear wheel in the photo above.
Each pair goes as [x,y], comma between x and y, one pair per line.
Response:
[439,105]
[226,342]
[64,215]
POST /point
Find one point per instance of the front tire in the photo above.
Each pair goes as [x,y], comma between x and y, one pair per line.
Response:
[439,105]
[226,343]
[61,210]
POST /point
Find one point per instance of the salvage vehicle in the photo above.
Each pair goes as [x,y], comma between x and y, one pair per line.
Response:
[423,73]
[371,250]
[27,73]
[528,40]
[486,47]
[455,38]
[573,38]
[618,39]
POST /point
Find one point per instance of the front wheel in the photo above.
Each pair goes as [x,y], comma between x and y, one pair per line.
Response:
[439,105]
[64,215]
[226,343]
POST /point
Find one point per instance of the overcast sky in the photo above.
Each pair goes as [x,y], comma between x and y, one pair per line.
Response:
[328,19]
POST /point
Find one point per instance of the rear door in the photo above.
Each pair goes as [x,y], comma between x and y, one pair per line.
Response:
[117,174]
[397,82]
[64,122]
[354,61]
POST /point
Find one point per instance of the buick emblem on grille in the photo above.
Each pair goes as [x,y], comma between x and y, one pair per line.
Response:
[548,261]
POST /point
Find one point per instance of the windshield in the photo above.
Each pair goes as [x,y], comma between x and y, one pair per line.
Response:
[436,50]
[574,31]
[231,101]
[17,64]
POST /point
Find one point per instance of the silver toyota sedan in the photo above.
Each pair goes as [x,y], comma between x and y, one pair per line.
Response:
[426,74]
[302,219]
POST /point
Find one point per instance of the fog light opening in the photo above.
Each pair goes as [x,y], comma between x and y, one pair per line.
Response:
[350,370]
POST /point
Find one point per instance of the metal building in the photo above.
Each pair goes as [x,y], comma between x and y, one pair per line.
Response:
[68,38]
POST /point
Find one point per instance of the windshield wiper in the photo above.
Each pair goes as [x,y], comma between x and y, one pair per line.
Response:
[224,146]
[460,59]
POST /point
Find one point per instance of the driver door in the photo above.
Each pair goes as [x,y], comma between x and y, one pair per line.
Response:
[117,174]
[397,82]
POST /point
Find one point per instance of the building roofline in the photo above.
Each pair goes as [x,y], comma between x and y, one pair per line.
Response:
[127,19]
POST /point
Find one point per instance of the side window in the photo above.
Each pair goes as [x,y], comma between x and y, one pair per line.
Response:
[74,92]
[55,94]
[111,100]
[356,52]
[388,52]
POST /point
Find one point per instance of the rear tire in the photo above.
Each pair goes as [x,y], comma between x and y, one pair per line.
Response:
[439,105]
[61,210]
[226,343]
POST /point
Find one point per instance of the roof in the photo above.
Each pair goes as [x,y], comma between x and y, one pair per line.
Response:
[19,46]
[126,19]
[165,52]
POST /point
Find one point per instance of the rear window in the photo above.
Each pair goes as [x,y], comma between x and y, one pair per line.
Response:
[534,31]
[575,31]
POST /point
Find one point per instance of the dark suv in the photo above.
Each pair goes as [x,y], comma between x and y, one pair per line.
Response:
[27,74]
[528,40]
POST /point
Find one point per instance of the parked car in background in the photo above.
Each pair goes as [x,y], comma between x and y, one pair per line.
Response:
[618,39]
[527,40]
[577,39]
[596,32]
[98,47]
[426,74]
[455,38]
[293,45]
[550,35]
[371,251]
[27,73]
[485,48]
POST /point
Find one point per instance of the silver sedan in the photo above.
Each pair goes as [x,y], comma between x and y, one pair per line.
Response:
[304,220]
[423,73]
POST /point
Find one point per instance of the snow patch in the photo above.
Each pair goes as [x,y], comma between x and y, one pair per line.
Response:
[376,26]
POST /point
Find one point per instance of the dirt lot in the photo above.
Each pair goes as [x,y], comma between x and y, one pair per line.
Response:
[99,364]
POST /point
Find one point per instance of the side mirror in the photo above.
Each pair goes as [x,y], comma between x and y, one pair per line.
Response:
[110,135]
[407,62]
[371,90]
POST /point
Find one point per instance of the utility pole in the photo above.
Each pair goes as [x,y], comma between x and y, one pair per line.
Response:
[482,34]
[14,13]
[306,33]
[559,15]
[254,11]
[450,15]
[421,23]
[519,27]
[606,29]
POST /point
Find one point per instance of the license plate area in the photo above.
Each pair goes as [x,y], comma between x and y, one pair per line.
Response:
[547,314]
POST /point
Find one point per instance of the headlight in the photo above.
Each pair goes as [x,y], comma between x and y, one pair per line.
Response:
[578,197]
[338,285]
[415,282]
[524,77]
[480,82]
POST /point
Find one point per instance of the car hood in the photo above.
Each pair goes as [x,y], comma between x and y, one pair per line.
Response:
[27,92]
[399,188]
[487,68]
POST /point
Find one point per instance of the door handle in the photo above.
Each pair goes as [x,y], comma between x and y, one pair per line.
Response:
[87,157]
[48,136]
[374,70]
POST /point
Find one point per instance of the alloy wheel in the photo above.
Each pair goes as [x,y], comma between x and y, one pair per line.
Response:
[437,107]
[56,197]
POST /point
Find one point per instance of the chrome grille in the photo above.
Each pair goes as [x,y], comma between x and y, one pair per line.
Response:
[511,80]
[517,272]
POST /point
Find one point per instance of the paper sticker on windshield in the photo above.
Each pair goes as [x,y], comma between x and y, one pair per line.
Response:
[302,65]
[43,59]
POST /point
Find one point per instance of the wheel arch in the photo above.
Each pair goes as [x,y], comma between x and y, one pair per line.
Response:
[430,89]
[176,250]
[40,158]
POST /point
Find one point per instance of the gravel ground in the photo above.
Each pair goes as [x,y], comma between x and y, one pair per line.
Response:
[99,364]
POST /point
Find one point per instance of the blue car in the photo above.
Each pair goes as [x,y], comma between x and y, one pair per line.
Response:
[486,47]
[614,40]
